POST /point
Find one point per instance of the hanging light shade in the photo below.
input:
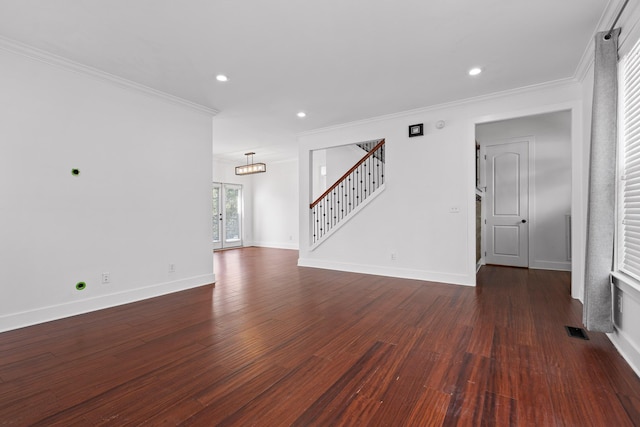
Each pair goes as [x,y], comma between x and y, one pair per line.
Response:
[252,167]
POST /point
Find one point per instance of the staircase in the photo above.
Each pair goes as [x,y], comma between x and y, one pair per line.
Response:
[370,146]
[349,193]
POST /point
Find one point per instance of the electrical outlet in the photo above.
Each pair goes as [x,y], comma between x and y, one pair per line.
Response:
[106,277]
[394,256]
[454,209]
[172,268]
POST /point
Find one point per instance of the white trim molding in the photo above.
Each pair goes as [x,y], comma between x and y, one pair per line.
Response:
[626,315]
[69,65]
[405,273]
[55,312]
[560,83]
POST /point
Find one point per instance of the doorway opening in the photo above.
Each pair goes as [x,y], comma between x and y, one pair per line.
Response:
[523,189]
[507,202]
[227,215]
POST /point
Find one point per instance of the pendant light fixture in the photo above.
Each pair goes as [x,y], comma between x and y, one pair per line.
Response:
[252,167]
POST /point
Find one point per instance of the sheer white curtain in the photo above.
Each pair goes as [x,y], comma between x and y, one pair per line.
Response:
[598,302]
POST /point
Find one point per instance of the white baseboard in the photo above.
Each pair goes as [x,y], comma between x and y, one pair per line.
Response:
[46,314]
[627,349]
[404,273]
[626,334]
[277,245]
[550,265]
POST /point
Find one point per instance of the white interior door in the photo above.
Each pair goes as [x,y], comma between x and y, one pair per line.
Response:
[227,215]
[507,204]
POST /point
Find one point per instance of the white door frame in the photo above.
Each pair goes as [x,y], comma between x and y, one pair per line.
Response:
[578,173]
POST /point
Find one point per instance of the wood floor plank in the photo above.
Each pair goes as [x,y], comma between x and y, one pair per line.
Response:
[334,404]
[275,344]
[499,411]
[279,404]
[430,409]
[467,402]
[231,392]
[402,395]
[22,411]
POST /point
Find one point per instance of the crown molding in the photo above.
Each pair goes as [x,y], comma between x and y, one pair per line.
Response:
[607,17]
[69,65]
[453,104]
[630,31]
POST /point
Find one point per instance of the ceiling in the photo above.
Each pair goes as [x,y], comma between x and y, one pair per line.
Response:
[337,60]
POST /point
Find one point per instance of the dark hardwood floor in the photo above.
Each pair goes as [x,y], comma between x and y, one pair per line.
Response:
[273,344]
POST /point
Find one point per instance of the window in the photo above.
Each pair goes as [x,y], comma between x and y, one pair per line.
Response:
[629,149]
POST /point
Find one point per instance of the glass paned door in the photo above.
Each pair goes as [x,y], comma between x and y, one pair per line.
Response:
[227,215]
[232,217]
[217,215]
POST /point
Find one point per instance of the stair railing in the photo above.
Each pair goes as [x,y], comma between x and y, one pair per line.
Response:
[369,146]
[348,192]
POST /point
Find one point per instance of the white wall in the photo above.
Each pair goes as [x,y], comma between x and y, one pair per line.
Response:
[318,180]
[270,202]
[275,206]
[425,178]
[141,201]
[550,183]
[340,160]
[336,161]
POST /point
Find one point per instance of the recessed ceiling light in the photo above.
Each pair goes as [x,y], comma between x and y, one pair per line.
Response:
[302,114]
[475,71]
[222,78]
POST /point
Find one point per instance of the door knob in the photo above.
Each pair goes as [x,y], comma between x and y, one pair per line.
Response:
[524,220]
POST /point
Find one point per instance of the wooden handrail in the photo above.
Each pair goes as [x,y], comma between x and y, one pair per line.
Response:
[361,161]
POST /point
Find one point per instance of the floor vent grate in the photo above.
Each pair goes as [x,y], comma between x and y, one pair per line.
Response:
[576,332]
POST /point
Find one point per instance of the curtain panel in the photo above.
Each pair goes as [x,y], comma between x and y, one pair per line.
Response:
[598,301]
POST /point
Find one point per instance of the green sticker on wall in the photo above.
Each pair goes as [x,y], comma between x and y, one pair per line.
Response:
[75,172]
[81,286]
